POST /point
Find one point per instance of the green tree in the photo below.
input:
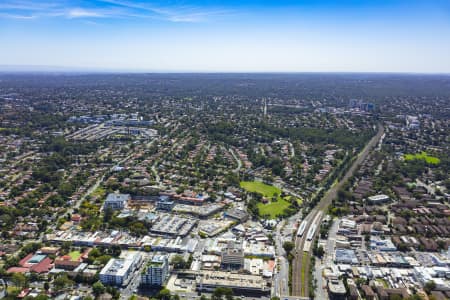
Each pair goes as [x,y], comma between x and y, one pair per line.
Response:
[429,286]
[104,259]
[108,214]
[178,262]
[65,247]
[175,297]
[220,292]
[19,280]
[164,294]
[288,246]
[62,282]
[94,253]
[98,288]
[320,251]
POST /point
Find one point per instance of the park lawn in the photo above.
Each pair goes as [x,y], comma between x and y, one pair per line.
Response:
[258,187]
[273,208]
[423,156]
[74,255]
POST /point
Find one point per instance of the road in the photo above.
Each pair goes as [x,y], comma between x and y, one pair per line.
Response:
[301,263]
[282,275]
[238,161]
[327,260]
[292,150]
[283,232]
[430,190]
[321,291]
[156,174]
[96,185]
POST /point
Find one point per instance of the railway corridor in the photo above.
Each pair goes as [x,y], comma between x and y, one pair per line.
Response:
[303,242]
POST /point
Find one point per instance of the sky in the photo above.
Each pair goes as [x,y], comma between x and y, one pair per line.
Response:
[227,36]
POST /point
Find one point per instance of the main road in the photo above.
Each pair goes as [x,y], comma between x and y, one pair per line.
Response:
[301,262]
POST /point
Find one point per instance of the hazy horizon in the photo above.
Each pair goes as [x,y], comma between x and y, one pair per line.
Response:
[37,69]
[247,36]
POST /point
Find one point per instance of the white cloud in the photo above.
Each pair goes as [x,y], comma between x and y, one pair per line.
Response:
[84,13]
[17,16]
[188,14]
[27,9]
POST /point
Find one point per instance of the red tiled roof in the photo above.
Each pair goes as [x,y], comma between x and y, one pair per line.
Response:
[18,270]
[24,260]
[76,218]
[43,267]
[71,264]
[24,293]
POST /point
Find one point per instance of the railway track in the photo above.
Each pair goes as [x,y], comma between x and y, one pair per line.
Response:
[301,262]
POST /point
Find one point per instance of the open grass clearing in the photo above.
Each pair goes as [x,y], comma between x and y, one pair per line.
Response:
[74,255]
[272,208]
[423,156]
[261,188]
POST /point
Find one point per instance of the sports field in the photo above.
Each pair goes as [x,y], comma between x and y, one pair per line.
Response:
[423,156]
[74,255]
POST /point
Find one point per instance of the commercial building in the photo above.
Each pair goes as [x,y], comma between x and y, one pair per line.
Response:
[377,243]
[173,225]
[117,270]
[116,201]
[233,256]
[336,289]
[164,203]
[237,214]
[345,256]
[156,271]
[241,284]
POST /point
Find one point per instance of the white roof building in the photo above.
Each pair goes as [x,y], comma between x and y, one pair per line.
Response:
[117,270]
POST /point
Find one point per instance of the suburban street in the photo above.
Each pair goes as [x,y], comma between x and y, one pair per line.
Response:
[326,261]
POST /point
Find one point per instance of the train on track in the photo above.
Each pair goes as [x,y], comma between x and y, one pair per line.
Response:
[301,228]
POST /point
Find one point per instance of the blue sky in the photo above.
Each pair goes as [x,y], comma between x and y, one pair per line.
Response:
[228,36]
